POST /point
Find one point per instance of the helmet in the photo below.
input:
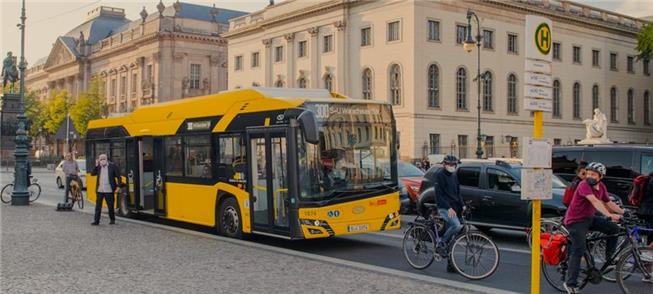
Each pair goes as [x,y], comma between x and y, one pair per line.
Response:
[597,167]
[450,159]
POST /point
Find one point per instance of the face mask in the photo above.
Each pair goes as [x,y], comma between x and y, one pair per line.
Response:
[451,169]
[103,162]
[592,181]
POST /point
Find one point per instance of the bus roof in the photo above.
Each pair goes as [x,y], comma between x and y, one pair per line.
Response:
[165,118]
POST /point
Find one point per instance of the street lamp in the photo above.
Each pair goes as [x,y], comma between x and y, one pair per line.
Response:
[20,195]
[469,46]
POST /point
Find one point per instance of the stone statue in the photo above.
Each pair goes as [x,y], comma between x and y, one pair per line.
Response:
[9,70]
[597,129]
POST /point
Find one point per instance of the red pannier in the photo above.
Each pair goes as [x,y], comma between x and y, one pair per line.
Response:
[554,247]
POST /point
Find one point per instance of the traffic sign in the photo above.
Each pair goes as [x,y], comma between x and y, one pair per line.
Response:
[538,38]
[531,91]
[537,184]
[538,66]
[534,104]
[538,79]
[537,153]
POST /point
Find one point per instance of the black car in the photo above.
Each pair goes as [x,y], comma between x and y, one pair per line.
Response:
[623,163]
[493,187]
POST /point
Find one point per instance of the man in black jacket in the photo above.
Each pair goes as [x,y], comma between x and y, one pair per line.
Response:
[108,183]
[447,197]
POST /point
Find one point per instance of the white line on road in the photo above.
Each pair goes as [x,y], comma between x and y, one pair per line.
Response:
[522,251]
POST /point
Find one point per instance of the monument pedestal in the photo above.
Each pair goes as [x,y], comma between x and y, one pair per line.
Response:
[9,109]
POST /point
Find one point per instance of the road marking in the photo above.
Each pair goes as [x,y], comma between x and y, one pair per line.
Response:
[515,250]
[466,286]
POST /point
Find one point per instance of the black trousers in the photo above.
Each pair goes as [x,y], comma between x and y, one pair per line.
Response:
[109,197]
[578,235]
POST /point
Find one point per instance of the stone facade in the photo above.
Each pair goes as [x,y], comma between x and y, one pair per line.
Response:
[410,53]
[171,53]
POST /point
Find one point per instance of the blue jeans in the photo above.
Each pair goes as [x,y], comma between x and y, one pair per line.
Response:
[452,224]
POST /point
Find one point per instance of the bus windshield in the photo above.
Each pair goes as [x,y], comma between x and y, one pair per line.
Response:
[353,153]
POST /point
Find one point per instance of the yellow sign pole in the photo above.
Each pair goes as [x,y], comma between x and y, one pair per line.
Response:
[537,209]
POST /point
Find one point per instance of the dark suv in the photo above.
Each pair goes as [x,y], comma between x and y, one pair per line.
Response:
[493,187]
[623,163]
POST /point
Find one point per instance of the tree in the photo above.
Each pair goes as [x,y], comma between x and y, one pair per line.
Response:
[89,106]
[36,114]
[56,110]
[645,42]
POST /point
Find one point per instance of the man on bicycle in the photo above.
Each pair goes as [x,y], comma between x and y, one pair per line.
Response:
[71,170]
[590,196]
[447,197]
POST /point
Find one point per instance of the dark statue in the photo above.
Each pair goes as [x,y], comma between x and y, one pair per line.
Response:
[9,71]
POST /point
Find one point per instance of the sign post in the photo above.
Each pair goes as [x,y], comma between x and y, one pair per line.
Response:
[537,98]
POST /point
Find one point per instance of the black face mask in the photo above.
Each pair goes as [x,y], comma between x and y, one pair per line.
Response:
[592,181]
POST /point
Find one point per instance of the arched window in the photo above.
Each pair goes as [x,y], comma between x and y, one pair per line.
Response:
[367,84]
[576,106]
[302,83]
[631,107]
[328,82]
[512,94]
[647,108]
[595,97]
[487,91]
[556,99]
[461,89]
[614,105]
[395,84]
[434,86]
[279,84]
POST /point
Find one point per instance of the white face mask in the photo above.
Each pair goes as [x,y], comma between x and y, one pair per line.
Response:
[103,162]
[451,169]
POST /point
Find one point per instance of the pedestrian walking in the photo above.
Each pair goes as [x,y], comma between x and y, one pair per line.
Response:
[71,171]
[108,183]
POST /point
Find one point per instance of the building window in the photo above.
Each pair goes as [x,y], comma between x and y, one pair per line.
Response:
[434,144]
[645,67]
[631,107]
[487,91]
[367,84]
[557,53]
[328,82]
[461,32]
[134,84]
[255,59]
[557,141]
[576,96]
[461,89]
[393,31]
[489,146]
[123,85]
[596,58]
[238,62]
[462,146]
[631,64]
[576,54]
[613,61]
[614,105]
[512,94]
[595,97]
[434,30]
[395,84]
[556,99]
[195,76]
[150,73]
[113,88]
[301,49]
[366,36]
[513,45]
[279,84]
[278,54]
[302,83]
[647,108]
[488,39]
[327,44]
[434,86]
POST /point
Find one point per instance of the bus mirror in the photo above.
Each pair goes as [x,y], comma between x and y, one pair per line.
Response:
[309,125]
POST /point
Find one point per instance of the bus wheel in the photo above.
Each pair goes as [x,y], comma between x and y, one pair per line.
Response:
[229,222]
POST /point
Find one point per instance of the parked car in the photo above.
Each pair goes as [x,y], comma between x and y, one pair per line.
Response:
[623,163]
[61,177]
[410,179]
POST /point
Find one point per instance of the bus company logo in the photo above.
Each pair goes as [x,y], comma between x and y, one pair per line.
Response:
[543,38]
[333,213]
[280,117]
[358,209]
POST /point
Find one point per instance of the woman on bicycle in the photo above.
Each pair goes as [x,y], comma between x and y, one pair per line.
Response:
[447,197]
[590,196]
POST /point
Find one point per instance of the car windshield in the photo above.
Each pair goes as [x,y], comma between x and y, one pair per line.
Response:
[557,182]
[405,169]
[355,141]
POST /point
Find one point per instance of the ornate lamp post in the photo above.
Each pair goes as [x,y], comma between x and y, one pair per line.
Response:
[20,195]
[469,46]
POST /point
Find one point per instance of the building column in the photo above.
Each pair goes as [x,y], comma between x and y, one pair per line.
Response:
[315,57]
[290,60]
[268,62]
[340,71]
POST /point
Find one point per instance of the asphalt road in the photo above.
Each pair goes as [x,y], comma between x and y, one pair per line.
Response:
[379,249]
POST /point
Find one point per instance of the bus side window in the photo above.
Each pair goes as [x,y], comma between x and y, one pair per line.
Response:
[118,156]
[231,158]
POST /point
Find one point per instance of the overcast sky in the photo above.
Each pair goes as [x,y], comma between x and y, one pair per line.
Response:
[47,19]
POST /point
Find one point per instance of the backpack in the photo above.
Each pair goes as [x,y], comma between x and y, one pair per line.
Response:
[636,195]
[554,247]
[569,193]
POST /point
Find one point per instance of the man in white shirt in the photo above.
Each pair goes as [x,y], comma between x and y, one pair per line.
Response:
[108,183]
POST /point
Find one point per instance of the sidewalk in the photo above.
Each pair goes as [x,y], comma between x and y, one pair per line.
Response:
[44,251]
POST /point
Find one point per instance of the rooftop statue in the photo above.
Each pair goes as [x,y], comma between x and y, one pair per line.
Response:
[597,129]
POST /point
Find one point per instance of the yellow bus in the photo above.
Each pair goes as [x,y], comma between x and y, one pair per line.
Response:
[290,163]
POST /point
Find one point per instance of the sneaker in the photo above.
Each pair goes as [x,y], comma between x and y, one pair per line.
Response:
[571,289]
[442,251]
[95,223]
[450,268]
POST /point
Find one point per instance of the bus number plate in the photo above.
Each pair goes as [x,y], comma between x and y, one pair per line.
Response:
[357,228]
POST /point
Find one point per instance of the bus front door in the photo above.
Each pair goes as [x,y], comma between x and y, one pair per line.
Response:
[268,187]
[133,174]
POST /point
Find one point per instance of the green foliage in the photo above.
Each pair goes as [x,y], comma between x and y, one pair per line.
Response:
[89,106]
[35,111]
[55,111]
[645,42]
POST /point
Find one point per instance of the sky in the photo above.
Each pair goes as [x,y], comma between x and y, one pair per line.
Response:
[47,19]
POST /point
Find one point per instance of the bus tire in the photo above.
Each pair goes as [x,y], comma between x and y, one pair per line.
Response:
[229,221]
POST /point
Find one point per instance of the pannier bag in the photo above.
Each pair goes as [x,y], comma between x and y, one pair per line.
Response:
[554,247]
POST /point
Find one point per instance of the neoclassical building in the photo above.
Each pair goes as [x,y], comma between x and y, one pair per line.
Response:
[410,53]
[174,52]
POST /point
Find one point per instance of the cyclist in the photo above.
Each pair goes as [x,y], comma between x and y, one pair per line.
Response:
[590,196]
[450,203]
[71,170]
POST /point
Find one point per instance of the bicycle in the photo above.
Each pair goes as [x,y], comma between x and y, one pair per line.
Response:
[34,190]
[423,244]
[75,192]
[590,271]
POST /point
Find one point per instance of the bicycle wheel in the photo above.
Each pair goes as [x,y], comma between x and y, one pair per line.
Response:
[34,190]
[474,255]
[419,246]
[631,270]
[597,249]
[556,275]
[5,195]
[80,199]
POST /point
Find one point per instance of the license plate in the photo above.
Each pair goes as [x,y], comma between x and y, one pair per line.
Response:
[357,228]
